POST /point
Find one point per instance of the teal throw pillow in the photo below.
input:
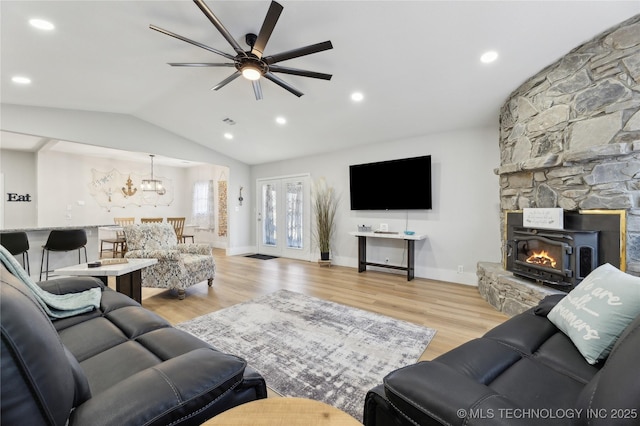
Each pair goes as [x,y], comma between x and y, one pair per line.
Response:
[597,310]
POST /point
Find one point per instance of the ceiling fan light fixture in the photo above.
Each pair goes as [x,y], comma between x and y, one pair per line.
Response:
[251,72]
[252,64]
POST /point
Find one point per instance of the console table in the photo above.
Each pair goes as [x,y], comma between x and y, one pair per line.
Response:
[362,250]
[128,275]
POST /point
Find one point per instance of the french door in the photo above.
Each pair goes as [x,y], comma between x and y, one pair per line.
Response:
[283,216]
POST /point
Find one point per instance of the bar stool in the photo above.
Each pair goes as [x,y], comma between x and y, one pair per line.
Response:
[64,240]
[17,243]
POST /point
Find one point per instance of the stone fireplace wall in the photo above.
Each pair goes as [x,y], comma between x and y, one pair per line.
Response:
[570,135]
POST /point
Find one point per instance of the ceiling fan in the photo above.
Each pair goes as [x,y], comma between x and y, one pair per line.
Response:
[252,64]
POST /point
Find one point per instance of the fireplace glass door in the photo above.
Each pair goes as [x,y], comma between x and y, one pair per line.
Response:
[541,253]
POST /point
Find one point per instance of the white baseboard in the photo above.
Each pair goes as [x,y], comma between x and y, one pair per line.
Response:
[235,251]
[451,276]
[467,278]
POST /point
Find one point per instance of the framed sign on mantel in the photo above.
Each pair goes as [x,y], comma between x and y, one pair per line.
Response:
[546,218]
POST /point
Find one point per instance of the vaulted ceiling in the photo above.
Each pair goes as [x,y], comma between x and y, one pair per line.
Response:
[416,63]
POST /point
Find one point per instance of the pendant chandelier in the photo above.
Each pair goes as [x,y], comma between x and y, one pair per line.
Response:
[153,185]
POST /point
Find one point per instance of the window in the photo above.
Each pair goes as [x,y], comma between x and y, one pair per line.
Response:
[294,220]
[203,204]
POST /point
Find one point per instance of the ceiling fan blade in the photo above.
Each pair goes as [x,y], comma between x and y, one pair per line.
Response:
[283,84]
[303,73]
[216,23]
[226,81]
[275,9]
[195,43]
[296,53]
[198,64]
[257,89]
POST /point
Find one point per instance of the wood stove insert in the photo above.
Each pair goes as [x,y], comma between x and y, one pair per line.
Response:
[572,249]
[559,258]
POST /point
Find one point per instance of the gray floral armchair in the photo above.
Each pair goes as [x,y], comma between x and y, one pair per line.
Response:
[179,265]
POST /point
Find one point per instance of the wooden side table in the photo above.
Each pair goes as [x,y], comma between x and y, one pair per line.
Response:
[283,411]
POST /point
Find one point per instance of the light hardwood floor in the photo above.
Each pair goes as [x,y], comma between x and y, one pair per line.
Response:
[456,311]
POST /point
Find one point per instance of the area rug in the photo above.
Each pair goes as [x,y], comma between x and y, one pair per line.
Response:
[261,256]
[311,348]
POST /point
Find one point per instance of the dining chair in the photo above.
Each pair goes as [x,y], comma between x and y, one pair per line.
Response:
[185,236]
[178,226]
[119,243]
[151,220]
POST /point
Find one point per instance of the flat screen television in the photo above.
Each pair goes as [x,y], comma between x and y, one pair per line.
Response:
[403,184]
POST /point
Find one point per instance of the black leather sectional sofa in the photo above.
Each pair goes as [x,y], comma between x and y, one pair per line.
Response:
[118,365]
[523,372]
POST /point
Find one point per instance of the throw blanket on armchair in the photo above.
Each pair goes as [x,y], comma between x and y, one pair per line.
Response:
[55,305]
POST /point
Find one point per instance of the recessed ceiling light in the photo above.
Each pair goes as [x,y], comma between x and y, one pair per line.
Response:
[488,57]
[281,120]
[228,136]
[357,96]
[19,79]
[41,24]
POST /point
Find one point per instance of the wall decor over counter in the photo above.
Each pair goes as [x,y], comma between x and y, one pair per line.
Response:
[128,190]
[116,189]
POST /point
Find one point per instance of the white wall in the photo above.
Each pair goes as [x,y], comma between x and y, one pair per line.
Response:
[18,169]
[121,131]
[61,195]
[462,228]
[64,196]
[66,199]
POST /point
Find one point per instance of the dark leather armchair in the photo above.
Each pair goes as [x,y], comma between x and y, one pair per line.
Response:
[118,365]
[523,372]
